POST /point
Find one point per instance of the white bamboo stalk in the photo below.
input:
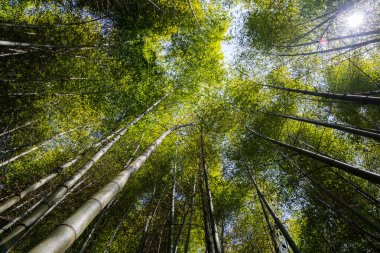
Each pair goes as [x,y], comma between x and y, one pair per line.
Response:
[15,199]
[14,129]
[34,148]
[60,191]
[15,220]
[51,208]
[66,233]
[5,43]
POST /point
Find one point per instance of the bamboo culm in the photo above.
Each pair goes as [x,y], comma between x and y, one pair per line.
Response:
[151,215]
[338,200]
[355,45]
[15,199]
[69,231]
[60,191]
[172,211]
[35,148]
[14,129]
[281,226]
[187,243]
[272,232]
[210,205]
[206,220]
[343,97]
[376,31]
[370,176]
[94,228]
[348,129]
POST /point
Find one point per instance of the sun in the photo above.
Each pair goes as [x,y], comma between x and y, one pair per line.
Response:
[354,20]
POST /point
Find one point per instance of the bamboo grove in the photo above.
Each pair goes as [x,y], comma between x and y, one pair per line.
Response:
[190,126]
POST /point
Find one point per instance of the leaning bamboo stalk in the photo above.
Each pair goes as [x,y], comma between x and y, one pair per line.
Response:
[338,38]
[278,222]
[151,215]
[34,148]
[368,175]
[366,93]
[7,248]
[181,226]
[350,46]
[95,227]
[343,97]
[348,129]
[210,205]
[206,219]
[187,243]
[172,208]
[28,45]
[87,241]
[272,232]
[56,204]
[15,220]
[33,26]
[60,191]
[15,199]
[14,129]
[116,230]
[337,199]
[30,200]
[69,231]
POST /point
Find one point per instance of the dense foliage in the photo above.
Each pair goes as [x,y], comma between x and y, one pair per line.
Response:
[282,154]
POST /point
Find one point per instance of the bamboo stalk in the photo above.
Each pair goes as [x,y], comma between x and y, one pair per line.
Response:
[69,231]
[60,191]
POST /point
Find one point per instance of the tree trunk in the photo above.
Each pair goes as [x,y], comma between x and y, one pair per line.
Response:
[365,133]
[370,176]
[172,210]
[206,220]
[353,185]
[15,199]
[67,233]
[358,189]
[50,25]
[339,200]
[176,241]
[356,228]
[328,20]
[210,206]
[366,93]
[148,222]
[96,225]
[187,244]
[193,12]
[34,148]
[343,97]
[355,45]
[115,232]
[15,220]
[272,232]
[14,129]
[28,45]
[377,31]
[279,224]
[39,211]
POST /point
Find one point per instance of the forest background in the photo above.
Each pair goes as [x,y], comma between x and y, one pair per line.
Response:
[274,150]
